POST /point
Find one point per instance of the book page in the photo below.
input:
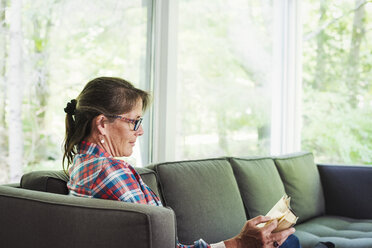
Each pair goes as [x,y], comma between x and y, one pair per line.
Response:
[283,213]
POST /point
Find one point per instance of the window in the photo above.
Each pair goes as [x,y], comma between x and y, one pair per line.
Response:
[59,47]
[224,78]
[337,89]
[234,78]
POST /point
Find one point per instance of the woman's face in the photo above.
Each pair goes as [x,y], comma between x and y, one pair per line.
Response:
[120,137]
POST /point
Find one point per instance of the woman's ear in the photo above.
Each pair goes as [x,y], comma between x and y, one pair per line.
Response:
[100,122]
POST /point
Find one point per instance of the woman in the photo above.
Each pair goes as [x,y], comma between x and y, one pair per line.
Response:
[104,122]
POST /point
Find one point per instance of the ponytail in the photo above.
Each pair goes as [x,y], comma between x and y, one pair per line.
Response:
[69,148]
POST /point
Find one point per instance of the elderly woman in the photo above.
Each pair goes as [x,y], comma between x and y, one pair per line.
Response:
[104,122]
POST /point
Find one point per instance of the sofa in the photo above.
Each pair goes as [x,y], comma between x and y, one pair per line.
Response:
[207,198]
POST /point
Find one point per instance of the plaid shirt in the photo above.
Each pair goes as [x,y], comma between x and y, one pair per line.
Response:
[96,174]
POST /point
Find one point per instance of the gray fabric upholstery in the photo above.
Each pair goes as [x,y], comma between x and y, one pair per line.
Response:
[353,183]
[150,178]
[343,232]
[47,181]
[302,183]
[205,198]
[55,181]
[38,219]
[259,183]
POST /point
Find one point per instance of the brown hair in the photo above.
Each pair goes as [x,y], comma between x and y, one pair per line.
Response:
[103,95]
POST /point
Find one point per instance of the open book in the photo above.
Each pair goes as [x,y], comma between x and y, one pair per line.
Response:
[283,213]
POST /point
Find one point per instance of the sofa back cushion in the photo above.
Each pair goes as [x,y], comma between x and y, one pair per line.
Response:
[259,183]
[150,178]
[205,197]
[302,183]
[47,181]
[55,181]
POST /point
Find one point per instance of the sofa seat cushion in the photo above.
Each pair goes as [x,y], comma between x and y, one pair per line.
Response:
[259,183]
[205,197]
[302,183]
[343,232]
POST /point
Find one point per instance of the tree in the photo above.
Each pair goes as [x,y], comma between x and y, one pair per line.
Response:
[15,85]
[337,89]
[357,35]
[38,35]
[3,89]
[321,55]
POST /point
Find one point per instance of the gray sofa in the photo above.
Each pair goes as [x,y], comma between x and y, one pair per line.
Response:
[209,199]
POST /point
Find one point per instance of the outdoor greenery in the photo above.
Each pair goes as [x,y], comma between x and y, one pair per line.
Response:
[225,75]
[64,44]
[337,80]
[225,66]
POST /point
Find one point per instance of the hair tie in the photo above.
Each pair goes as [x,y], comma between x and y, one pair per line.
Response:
[71,107]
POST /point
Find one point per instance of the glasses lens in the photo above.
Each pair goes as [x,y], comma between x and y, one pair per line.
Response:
[137,124]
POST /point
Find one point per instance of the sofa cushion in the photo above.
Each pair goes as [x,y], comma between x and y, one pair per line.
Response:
[149,177]
[259,183]
[350,182]
[205,197]
[47,181]
[343,232]
[55,181]
[302,183]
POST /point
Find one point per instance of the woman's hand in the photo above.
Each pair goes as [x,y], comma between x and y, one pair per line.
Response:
[252,236]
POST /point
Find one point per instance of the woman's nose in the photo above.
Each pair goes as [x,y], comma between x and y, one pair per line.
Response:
[140,131]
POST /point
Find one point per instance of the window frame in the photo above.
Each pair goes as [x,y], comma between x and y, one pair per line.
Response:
[287,78]
[164,81]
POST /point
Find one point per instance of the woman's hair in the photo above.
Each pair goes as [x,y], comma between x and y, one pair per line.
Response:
[104,95]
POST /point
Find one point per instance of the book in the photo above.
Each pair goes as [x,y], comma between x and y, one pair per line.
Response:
[282,212]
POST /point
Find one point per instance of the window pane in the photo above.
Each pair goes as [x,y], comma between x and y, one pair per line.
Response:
[337,62]
[66,44]
[224,76]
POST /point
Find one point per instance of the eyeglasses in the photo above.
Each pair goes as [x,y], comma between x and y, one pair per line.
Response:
[137,123]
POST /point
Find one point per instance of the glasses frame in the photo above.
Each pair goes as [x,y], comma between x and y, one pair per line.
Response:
[136,122]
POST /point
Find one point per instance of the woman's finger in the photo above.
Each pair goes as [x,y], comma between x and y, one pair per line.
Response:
[271,226]
[259,219]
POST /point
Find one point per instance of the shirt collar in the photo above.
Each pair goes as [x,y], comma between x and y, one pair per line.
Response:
[86,147]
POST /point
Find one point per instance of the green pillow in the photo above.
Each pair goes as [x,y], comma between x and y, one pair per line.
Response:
[302,183]
[205,197]
[259,183]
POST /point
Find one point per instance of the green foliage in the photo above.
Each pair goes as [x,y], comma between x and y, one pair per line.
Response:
[215,59]
[224,73]
[67,43]
[338,103]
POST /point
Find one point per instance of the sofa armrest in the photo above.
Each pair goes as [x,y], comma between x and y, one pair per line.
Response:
[39,219]
[347,190]
[14,185]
